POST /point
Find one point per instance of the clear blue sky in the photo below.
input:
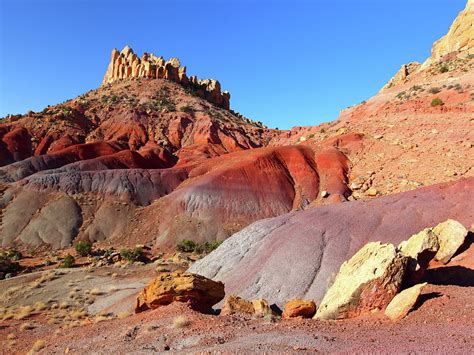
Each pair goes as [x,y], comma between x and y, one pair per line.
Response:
[285,63]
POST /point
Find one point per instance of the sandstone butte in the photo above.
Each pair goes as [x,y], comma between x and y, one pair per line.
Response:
[153,156]
[152,144]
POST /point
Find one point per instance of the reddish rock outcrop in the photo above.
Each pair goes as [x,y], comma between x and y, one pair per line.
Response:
[199,292]
[127,65]
[299,309]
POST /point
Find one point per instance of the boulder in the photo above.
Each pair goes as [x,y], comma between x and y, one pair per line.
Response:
[308,247]
[403,303]
[259,308]
[420,248]
[200,292]
[235,304]
[451,235]
[367,281]
[262,308]
[299,309]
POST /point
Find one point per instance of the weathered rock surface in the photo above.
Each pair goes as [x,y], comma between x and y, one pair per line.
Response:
[299,309]
[421,249]
[235,304]
[367,281]
[199,292]
[258,308]
[460,37]
[451,235]
[297,255]
[127,65]
[403,302]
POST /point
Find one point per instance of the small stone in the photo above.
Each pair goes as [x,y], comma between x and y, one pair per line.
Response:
[299,309]
[372,192]
[403,303]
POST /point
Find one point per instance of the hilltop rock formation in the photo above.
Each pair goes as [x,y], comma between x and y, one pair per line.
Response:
[127,65]
[297,255]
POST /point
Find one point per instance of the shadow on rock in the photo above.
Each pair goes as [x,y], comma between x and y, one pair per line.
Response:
[451,275]
[426,297]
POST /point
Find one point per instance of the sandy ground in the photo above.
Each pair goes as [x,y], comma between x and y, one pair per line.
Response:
[442,321]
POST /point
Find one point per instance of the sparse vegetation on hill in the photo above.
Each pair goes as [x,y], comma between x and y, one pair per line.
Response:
[83,248]
[437,102]
[68,261]
[189,246]
[132,255]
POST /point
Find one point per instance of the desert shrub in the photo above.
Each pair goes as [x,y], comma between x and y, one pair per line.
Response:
[68,261]
[186,246]
[132,255]
[207,247]
[83,248]
[435,90]
[180,322]
[14,254]
[7,266]
[444,69]
[187,108]
[437,102]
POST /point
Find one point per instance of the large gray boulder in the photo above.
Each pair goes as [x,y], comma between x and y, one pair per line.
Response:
[297,255]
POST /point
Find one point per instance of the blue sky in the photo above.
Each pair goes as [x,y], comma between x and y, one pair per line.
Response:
[286,63]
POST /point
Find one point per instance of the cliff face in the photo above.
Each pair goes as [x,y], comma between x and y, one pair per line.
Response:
[457,44]
[127,65]
[460,37]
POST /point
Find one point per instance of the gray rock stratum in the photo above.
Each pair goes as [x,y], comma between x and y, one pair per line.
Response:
[297,255]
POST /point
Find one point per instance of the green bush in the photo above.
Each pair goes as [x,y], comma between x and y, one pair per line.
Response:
[132,255]
[83,247]
[444,69]
[186,246]
[437,102]
[68,261]
[207,247]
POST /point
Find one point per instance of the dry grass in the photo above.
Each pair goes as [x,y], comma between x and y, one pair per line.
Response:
[180,322]
[11,336]
[100,318]
[37,346]
[39,306]
[77,314]
[121,315]
[23,312]
[26,326]
[96,292]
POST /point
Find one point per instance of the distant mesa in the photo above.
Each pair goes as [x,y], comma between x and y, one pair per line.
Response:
[127,65]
